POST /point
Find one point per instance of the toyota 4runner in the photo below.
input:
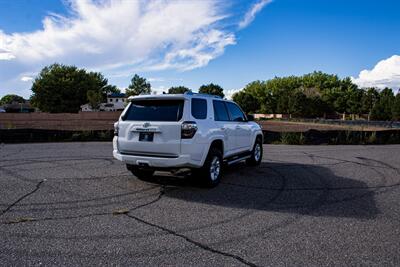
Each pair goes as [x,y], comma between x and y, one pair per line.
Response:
[196,131]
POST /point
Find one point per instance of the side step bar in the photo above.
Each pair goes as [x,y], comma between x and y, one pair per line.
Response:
[234,159]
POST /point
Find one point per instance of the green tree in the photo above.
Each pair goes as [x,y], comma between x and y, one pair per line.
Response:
[178,90]
[354,101]
[317,107]
[212,89]
[328,97]
[246,101]
[282,102]
[8,99]
[368,100]
[297,104]
[396,107]
[61,88]
[138,85]
[111,89]
[319,83]
[383,108]
[94,98]
[340,104]
[263,94]
[312,94]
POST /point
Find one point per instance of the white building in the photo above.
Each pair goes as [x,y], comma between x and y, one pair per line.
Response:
[86,107]
[116,98]
[115,102]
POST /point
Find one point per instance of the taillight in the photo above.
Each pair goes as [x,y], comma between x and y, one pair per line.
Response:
[116,129]
[188,129]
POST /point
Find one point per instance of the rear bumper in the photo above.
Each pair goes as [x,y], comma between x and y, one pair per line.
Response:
[182,161]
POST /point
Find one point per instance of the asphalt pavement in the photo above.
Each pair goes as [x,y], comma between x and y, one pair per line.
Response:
[73,204]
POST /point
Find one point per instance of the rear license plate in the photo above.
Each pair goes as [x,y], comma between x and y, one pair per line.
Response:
[146,137]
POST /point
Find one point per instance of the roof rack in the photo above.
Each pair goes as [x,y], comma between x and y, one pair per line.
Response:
[200,94]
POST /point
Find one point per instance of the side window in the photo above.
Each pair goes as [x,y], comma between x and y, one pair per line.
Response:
[220,112]
[235,112]
[199,108]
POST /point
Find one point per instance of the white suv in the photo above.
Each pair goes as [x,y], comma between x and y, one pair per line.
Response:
[196,131]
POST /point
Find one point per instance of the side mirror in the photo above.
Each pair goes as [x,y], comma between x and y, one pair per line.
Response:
[250,117]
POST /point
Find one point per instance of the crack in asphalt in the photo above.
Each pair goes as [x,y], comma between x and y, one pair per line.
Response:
[22,197]
[79,201]
[114,213]
[196,243]
[282,224]
[169,231]
[177,233]
[321,202]
[127,213]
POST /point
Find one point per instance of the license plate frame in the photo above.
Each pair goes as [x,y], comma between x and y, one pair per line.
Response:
[146,137]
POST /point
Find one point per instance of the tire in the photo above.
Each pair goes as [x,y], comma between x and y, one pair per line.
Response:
[256,154]
[141,174]
[211,172]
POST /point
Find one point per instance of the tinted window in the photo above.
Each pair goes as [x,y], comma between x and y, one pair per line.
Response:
[155,110]
[220,112]
[199,108]
[235,112]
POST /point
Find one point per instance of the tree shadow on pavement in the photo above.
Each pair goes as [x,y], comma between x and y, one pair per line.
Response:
[290,188]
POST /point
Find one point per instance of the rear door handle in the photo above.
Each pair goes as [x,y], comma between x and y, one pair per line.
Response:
[222,128]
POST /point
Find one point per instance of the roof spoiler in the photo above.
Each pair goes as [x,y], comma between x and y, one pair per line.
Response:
[200,94]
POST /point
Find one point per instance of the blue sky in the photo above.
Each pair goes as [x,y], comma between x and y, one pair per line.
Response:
[195,42]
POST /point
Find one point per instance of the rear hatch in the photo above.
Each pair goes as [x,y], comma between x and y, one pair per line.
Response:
[151,127]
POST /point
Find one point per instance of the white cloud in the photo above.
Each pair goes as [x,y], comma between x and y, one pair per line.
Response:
[252,12]
[5,55]
[198,55]
[118,36]
[386,73]
[159,90]
[26,78]
[156,79]
[229,93]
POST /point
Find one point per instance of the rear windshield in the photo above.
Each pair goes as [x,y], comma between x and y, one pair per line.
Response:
[155,110]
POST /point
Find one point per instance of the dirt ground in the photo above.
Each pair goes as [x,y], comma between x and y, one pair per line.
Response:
[284,126]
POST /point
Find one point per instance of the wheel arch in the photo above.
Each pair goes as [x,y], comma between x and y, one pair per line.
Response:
[216,142]
[257,135]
